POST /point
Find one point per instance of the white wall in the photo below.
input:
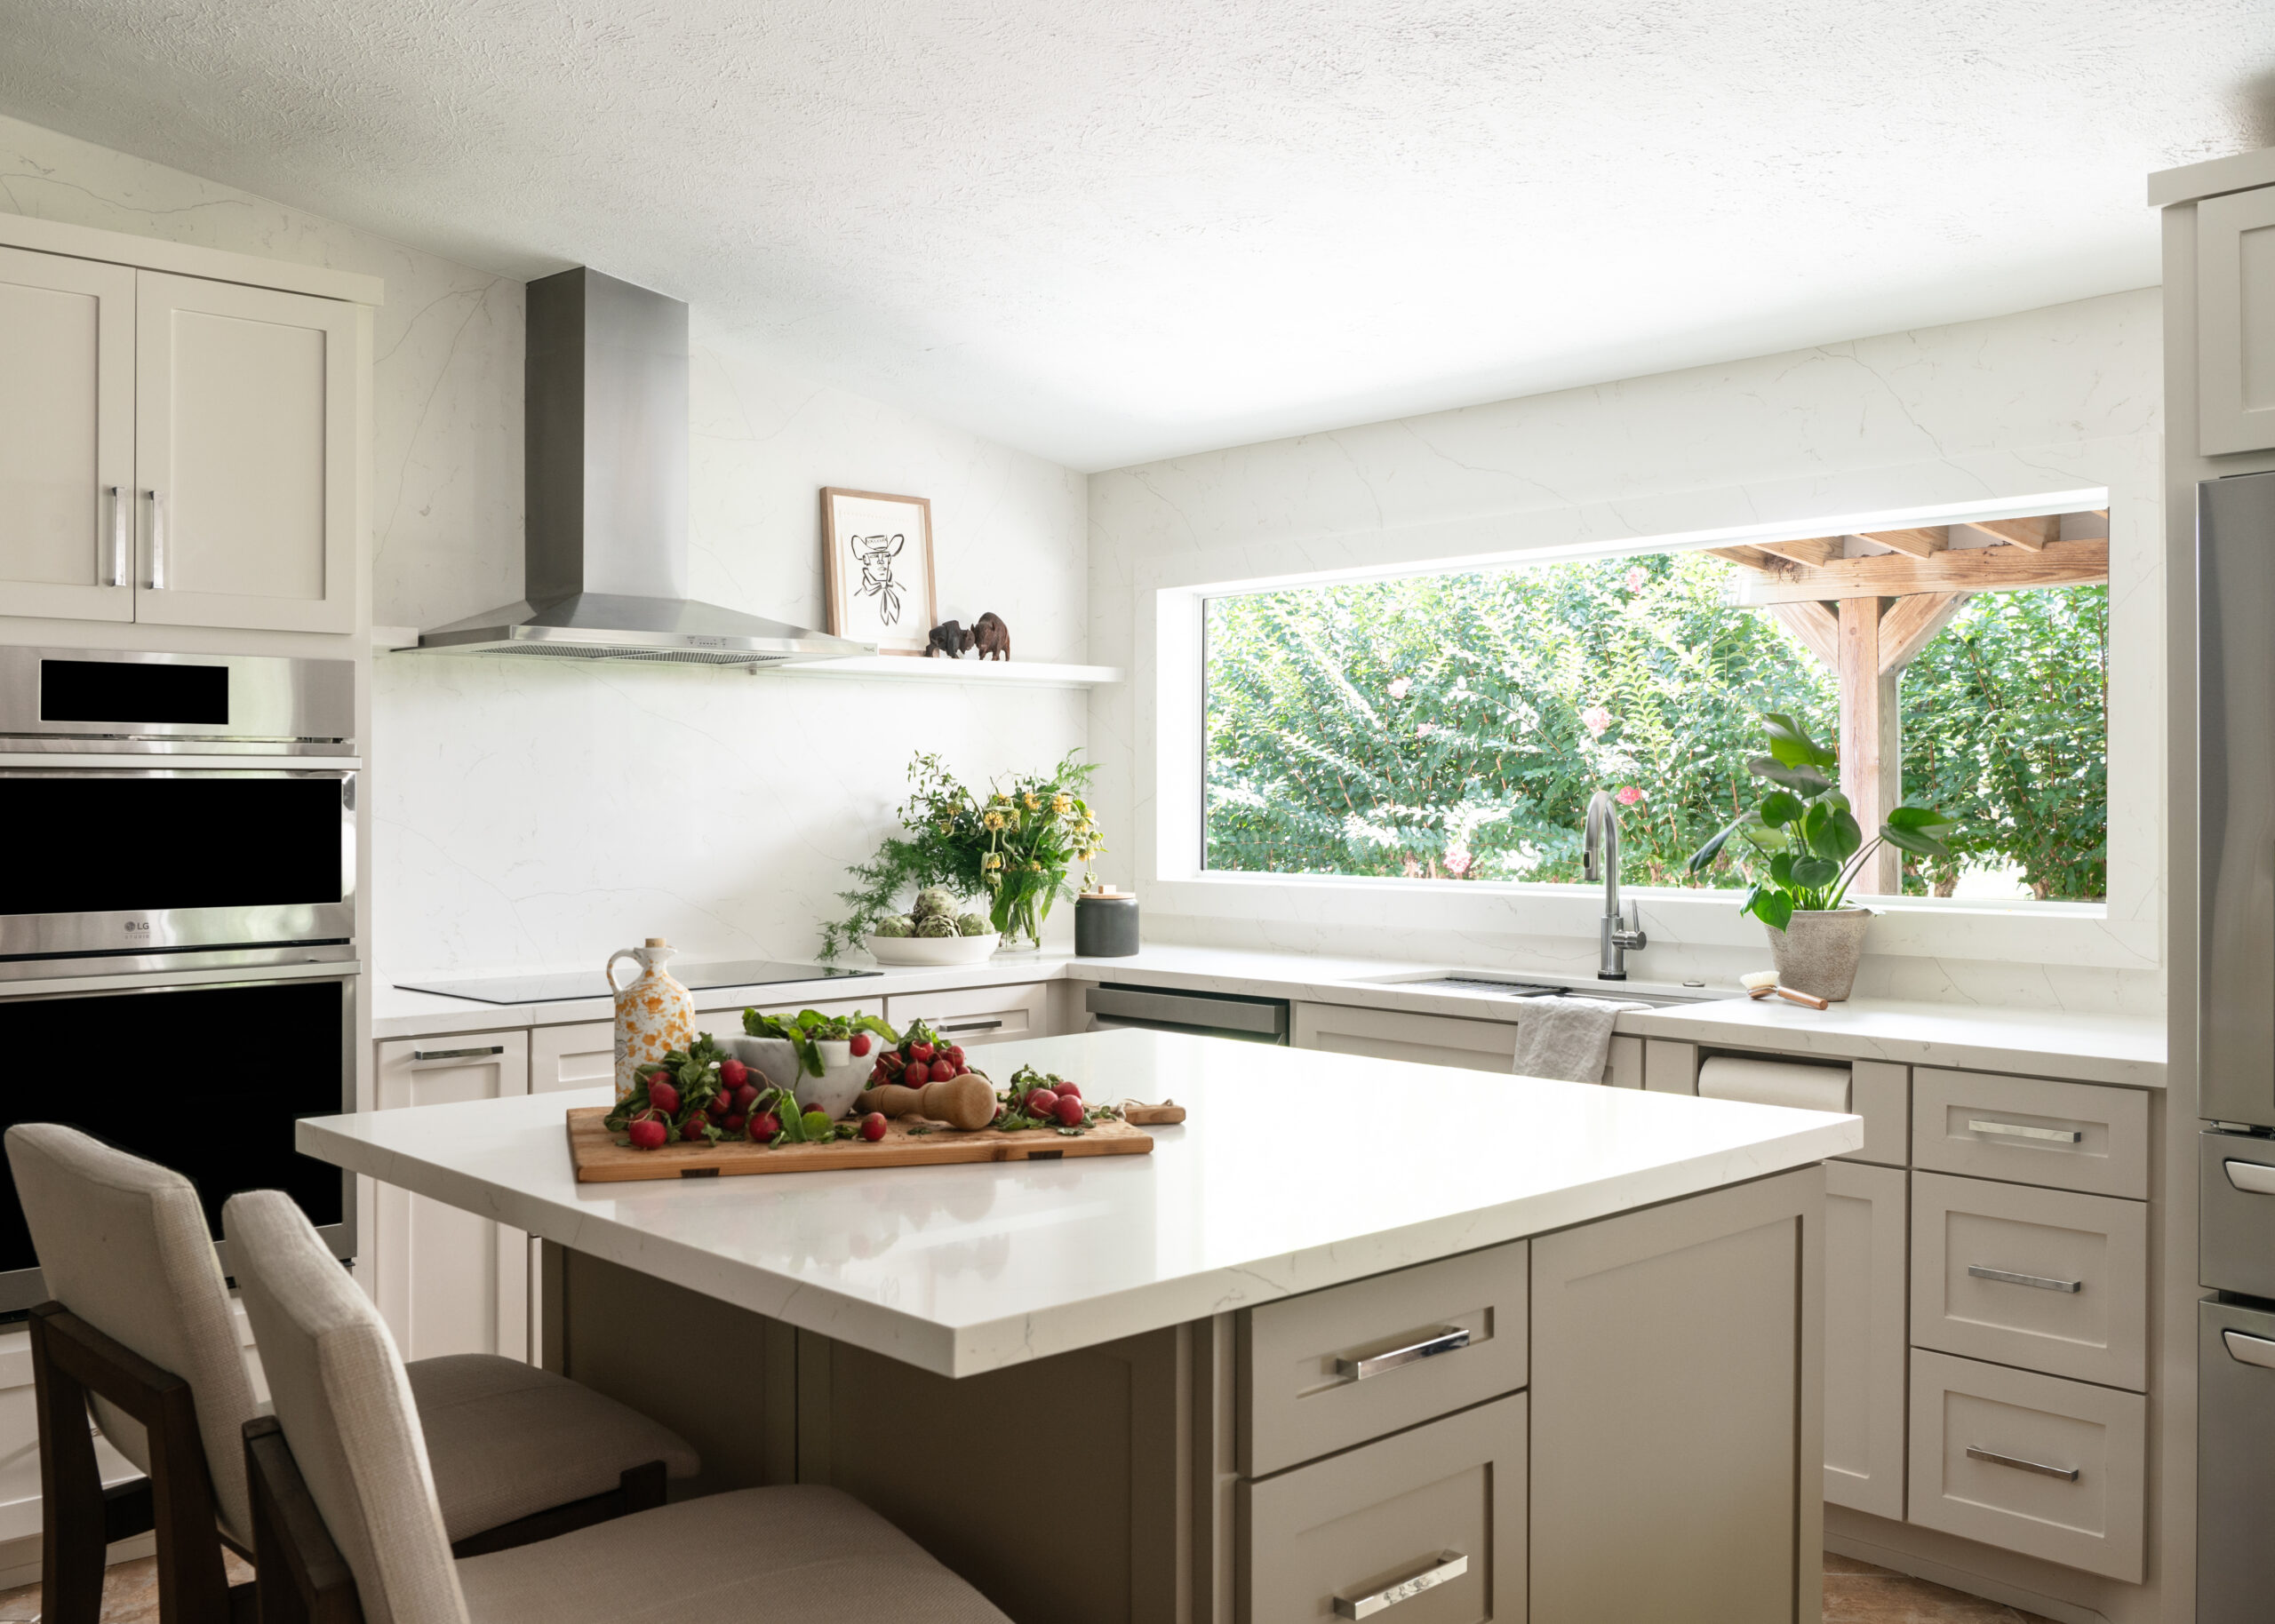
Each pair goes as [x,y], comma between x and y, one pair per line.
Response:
[529,813]
[2048,400]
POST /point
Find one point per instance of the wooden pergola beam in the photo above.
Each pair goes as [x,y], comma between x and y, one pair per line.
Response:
[1872,756]
[1815,625]
[1803,550]
[2034,534]
[1910,623]
[1752,558]
[1895,575]
[1921,541]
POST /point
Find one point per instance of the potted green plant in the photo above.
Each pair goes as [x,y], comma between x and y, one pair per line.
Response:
[1805,850]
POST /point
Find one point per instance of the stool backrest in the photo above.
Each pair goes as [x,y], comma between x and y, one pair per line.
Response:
[123,1243]
[340,1394]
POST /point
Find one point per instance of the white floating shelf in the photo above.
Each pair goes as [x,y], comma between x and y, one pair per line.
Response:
[984,673]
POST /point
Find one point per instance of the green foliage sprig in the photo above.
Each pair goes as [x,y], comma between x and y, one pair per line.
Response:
[1809,844]
[807,1031]
[1016,846]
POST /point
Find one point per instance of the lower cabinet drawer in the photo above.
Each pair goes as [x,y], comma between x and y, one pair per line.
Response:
[2033,1463]
[1430,1523]
[2029,1130]
[977,1014]
[2046,1280]
[1332,1368]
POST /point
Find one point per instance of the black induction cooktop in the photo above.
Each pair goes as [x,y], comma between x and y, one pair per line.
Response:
[594,983]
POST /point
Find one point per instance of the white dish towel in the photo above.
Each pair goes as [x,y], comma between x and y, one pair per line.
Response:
[1773,1082]
[1566,1038]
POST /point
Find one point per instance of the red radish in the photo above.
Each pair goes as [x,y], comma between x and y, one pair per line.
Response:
[765,1125]
[1069,1111]
[955,1053]
[859,1044]
[921,1051]
[693,1130]
[1042,1103]
[734,1124]
[943,1069]
[718,1104]
[872,1126]
[662,1095]
[744,1096]
[647,1133]
[1066,1089]
[732,1074]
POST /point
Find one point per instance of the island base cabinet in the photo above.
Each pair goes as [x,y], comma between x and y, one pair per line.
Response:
[1676,1449]
[1430,1521]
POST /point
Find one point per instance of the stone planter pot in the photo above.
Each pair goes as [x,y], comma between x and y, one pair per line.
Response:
[1817,952]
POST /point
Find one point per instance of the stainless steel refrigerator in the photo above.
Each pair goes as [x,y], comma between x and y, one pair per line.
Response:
[2235,1498]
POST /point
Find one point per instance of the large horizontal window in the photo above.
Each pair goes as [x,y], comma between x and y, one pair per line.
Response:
[1453,727]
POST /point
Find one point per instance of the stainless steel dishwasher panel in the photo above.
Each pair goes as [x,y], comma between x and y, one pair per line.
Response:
[1253,1020]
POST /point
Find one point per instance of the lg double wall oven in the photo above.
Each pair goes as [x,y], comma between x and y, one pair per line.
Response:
[178,966]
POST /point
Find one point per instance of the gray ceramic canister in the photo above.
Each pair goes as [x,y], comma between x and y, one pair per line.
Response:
[1105,927]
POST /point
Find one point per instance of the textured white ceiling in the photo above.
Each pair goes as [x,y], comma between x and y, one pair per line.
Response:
[1113,230]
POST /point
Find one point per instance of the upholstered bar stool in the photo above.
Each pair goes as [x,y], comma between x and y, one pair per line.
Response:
[140,1330]
[343,1501]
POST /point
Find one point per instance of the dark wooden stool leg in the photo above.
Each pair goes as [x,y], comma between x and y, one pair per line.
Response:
[71,1544]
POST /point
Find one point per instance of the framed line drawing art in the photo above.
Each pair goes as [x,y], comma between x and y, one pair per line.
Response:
[877,567]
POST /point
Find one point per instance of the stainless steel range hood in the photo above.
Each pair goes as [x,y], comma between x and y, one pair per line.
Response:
[604,424]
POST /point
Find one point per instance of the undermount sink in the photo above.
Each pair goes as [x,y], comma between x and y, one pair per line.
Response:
[1476,983]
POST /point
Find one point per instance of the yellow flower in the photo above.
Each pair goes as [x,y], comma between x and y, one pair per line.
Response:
[994,820]
[1037,867]
[1033,801]
[999,799]
[993,859]
[1062,803]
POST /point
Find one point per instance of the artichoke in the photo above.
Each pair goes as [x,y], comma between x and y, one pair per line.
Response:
[936,925]
[892,924]
[972,925]
[935,901]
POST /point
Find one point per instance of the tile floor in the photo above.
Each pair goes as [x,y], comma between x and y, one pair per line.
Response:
[1855,1593]
[1858,1593]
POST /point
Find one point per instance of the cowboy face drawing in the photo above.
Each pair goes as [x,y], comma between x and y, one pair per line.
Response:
[875,553]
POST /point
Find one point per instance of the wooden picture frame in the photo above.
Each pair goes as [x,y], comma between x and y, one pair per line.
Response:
[877,577]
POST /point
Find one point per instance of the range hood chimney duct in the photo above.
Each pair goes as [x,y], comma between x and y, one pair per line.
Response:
[604,423]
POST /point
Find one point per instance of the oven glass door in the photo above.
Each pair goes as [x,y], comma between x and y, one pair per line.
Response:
[206,1080]
[136,861]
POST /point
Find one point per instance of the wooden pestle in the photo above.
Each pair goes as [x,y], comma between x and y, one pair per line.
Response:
[966,1102]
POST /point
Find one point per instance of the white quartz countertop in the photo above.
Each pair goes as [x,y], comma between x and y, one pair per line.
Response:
[2089,1046]
[1295,1170]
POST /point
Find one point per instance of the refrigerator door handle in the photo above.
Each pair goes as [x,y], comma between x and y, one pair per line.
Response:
[2253,1178]
[2250,1350]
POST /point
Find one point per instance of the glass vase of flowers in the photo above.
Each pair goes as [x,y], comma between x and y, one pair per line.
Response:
[1016,846]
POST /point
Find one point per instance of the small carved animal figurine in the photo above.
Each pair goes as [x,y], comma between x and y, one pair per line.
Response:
[949,638]
[991,636]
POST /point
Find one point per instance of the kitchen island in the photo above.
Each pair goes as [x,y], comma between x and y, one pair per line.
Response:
[1538,1349]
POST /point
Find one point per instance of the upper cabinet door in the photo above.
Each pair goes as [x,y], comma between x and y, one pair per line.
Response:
[246,428]
[2235,315]
[67,437]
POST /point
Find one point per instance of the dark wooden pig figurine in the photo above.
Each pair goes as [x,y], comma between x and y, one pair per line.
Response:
[991,636]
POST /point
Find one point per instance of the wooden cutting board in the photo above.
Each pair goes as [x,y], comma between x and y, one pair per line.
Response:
[600,1160]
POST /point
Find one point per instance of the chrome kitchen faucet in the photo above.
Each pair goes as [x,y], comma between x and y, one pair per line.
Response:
[1615,933]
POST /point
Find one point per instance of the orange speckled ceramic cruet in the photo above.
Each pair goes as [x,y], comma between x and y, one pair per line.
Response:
[654,1014]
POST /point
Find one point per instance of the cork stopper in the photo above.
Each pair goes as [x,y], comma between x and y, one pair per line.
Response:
[658,942]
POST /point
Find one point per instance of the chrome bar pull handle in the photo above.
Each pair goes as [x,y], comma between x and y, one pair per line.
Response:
[157,542]
[2253,1178]
[2068,1474]
[481,1053]
[1450,1340]
[1449,1565]
[121,525]
[2017,1130]
[2011,1278]
[971,1026]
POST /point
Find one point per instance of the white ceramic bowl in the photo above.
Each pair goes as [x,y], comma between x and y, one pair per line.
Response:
[841,1078]
[775,1059]
[932,950]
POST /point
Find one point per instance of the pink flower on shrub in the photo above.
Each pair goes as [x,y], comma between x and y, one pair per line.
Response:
[1628,795]
[1399,687]
[1595,719]
[1636,577]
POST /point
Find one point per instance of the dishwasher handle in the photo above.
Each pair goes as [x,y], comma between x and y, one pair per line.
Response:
[1265,1018]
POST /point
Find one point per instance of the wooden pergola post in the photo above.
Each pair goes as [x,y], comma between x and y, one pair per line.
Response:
[1866,617]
